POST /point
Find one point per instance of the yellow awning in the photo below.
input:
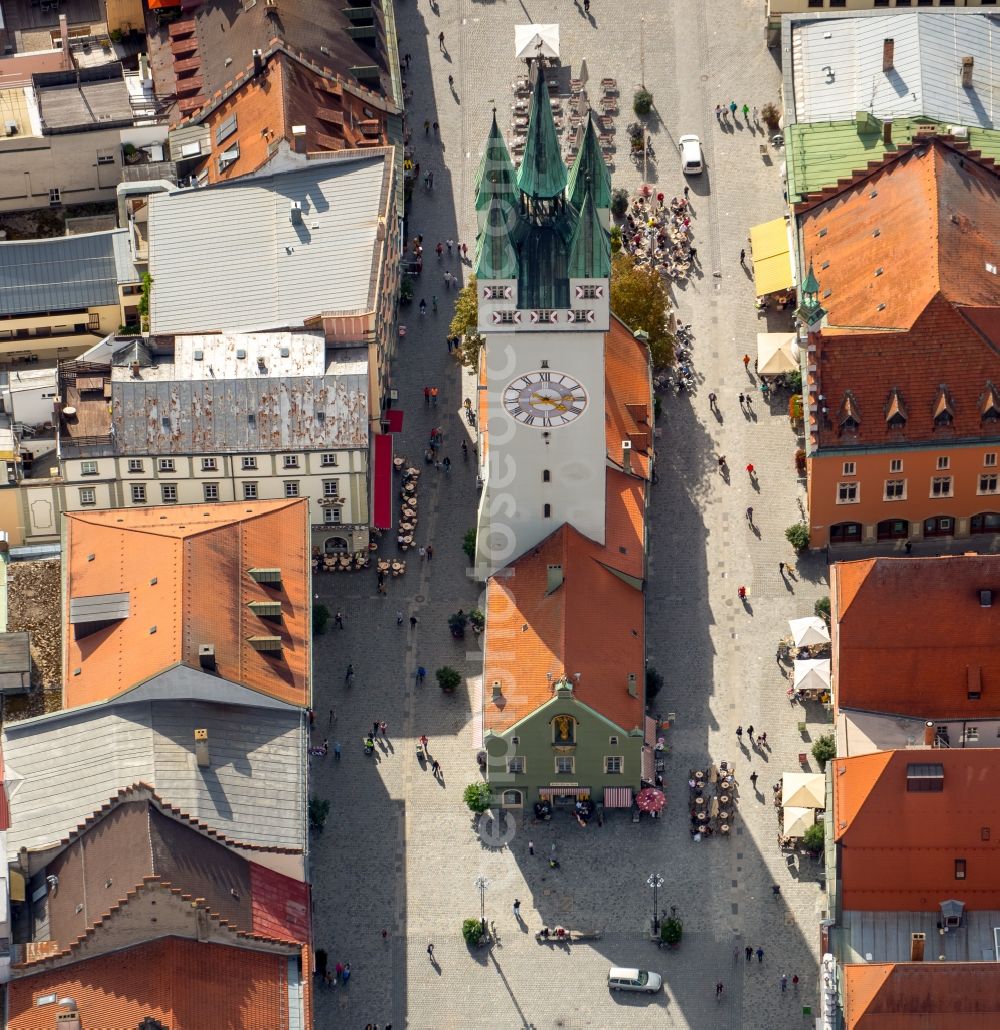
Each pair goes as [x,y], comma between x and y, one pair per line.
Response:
[771,250]
[16,882]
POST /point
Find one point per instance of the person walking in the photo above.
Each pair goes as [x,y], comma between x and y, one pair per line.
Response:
[746,362]
[349,675]
[465,451]
[439,249]
[762,739]
[427,126]
[434,398]
[375,726]
[427,396]
[451,244]
[436,768]
[436,127]
[383,728]
[718,112]
[430,551]
[531,847]
[339,618]
[750,516]
[781,569]
[746,112]
[430,951]
[760,954]
[421,673]
[441,41]
[750,733]
[743,400]
[739,734]
[749,952]
[732,108]
[399,617]
[336,751]
[784,982]
[517,909]
[446,463]
[422,551]
[451,82]
[750,470]
[447,282]
[743,258]
[712,402]
[722,463]
[413,622]
[742,593]
[719,988]
[423,307]
[753,779]
[795,982]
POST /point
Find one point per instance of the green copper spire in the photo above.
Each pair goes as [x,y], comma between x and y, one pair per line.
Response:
[590,164]
[810,310]
[495,255]
[810,284]
[542,174]
[496,176]
[590,248]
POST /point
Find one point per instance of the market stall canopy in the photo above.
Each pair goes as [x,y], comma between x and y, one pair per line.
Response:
[536,41]
[803,790]
[649,799]
[795,821]
[777,353]
[812,674]
[771,249]
[809,631]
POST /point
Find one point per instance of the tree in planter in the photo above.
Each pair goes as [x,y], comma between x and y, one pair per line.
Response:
[616,239]
[642,102]
[798,536]
[639,299]
[465,325]
[671,931]
[472,931]
[321,616]
[319,809]
[822,609]
[477,619]
[477,796]
[824,749]
[654,683]
[771,115]
[448,678]
[619,202]
[405,290]
[813,838]
[469,544]
[457,624]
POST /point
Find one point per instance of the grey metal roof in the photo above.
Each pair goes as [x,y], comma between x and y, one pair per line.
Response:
[240,415]
[99,607]
[67,273]
[837,67]
[229,258]
[85,105]
[63,767]
[15,652]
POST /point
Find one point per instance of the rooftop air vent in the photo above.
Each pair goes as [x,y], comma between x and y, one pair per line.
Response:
[241,354]
[985,598]
[199,355]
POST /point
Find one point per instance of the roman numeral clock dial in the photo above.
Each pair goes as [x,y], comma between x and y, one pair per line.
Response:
[545,399]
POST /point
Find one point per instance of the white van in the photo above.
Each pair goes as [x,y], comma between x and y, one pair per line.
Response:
[692,162]
[634,980]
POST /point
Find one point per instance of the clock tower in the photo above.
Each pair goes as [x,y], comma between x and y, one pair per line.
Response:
[543,264]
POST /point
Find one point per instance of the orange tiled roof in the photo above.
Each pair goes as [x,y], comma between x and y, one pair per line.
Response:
[628,401]
[911,636]
[904,314]
[185,568]
[184,984]
[591,624]
[908,995]
[898,847]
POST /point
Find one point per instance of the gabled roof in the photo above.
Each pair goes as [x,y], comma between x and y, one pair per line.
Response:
[912,638]
[589,169]
[183,984]
[188,573]
[496,177]
[542,173]
[914,995]
[898,847]
[590,247]
[628,392]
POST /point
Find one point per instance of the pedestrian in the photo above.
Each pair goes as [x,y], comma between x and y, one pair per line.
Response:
[349,675]
[435,128]
[430,551]
[451,244]
[427,396]
[336,751]
[753,779]
[421,673]
[749,952]
[441,41]
[795,982]
[742,593]
[784,982]
[711,401]
[781,568]
[451,81]
[746,361]
[732,108]
[375,725]
[427,126]
[719,989]
[413,622]
[465,451]
[434,400]
[909,546]
[755,119]
[743,258]
[750,516]
[552,850]
[739,733]
[760,954]
[749,400]
[339,618]
[399,617]
[586,6]
[750,470]
[762,739]
[346,974]
[435,767]
[517,909]
[742,400]
[406,58]
[422,552]
[447,463]
[722,463]
[339,969]
[383,728]
[718,112]
[746,112]
[430,951]
[447,280]
[430,175]
[750,733]
[332,719]
[465,250]
[385,935]
[531,847]
[776,890]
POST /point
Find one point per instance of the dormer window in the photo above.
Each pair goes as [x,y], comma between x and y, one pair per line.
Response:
[895,412]
[944,413]
[849,418]
[989,405]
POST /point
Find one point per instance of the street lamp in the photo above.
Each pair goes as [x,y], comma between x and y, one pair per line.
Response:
[482,883]
[656,882]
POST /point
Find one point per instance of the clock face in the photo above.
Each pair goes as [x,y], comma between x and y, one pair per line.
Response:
[545,399]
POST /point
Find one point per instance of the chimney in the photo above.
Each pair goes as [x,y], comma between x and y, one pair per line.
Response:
[555,578]
[928,734]
[888,46]
[966,72]
[917,946]
[258,62]
[295,213]
[206,657]
[64,39]
[627,455]
[135,369]
[299,139]
[68,1020]
[201,748]
[887,132]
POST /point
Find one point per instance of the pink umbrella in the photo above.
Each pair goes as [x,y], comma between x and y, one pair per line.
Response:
[649,799]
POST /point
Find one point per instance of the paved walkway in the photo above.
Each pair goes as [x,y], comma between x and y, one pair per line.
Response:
[399,853]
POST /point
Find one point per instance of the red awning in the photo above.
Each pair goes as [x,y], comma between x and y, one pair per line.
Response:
[617,797]
[382,479]
[394,418]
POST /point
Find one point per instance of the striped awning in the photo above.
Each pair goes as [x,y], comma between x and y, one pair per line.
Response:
[575,792]
[648,765]
[617,797]
[650,730]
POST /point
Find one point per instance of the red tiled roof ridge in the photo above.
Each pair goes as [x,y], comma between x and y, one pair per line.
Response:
[102,518]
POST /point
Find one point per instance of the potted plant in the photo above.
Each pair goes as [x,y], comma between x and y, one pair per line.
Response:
[469,544]
[813,838]
[477,619]
[457,624]
[798,536]
[824,749]
[319,809]
[822,609]
[448,678]
[405,290]
[671,931]
[473,932]
[616,239]
[642,101]
[619,202]
[477,796]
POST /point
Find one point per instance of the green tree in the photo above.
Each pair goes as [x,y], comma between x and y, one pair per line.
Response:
[321,616]
[616,239]
[469,544]
[477,796]
[147,289]
[465,325]
[448,678]
[654,683]
[619,202]
[671,931]
[319,809]
[822,609]
[472,931]
[642,102]
[814,836]
[640,300]
[824,749]
[798,536]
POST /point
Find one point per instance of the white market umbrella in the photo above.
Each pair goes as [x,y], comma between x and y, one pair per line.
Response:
[536,41]
[808,631]
[777,353]
[812,674]
[795,821]
[803,790]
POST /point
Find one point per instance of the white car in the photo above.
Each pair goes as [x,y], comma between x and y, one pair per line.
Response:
[692,162]
[634,980]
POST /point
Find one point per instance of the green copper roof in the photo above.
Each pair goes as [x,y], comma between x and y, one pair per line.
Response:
[542,173]
[590,248]
[810,284]
[495,256]
[590,164]
[496,176]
